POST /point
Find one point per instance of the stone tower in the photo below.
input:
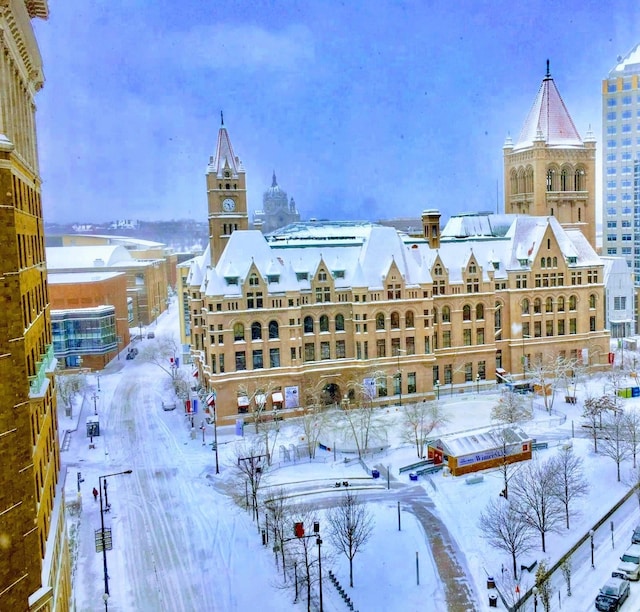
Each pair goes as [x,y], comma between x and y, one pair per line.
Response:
[226,195]
[550,169]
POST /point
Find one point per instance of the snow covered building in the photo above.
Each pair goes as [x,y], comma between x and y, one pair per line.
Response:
[337,311]
[277,210]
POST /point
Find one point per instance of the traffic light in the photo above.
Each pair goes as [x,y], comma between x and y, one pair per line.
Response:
[298,530]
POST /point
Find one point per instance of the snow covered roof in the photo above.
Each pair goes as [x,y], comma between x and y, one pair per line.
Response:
[548,120]
[629,63]
[466,443]
[224,158]
[61,258]
[362,255]
[73,278]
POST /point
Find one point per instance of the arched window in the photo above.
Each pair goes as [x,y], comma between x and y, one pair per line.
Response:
[308,325]
[579,179]
[238,331]
[543,262]
[572,302]
[324,323]
[446,314]
[560,304]
[521,181]
[435,316]
[525,306]
[395,320]
[564,180]
[339,322]
[550,179]
[555,262]
[497,317]
[514,181]
[528,185]
[408,319]
[466,312]
[256,331]
[380,320]
[479,312]
[592,300]
[274,331]
[548,262]
[549,305]
[537,306]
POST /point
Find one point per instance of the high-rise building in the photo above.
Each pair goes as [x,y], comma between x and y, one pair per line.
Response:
[550,170]
[34,557]
[621,140]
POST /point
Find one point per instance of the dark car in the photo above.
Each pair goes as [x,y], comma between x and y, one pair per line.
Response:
[130,355]
[635,538]
[612,595]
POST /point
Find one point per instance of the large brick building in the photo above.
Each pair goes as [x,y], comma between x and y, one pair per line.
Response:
[34,556]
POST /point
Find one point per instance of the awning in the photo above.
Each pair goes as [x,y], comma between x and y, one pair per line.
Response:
[243,400]
[501,371]
[277,398]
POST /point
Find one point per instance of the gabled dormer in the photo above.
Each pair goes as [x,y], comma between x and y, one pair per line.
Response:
[322,283]
[440,276]
[393,282]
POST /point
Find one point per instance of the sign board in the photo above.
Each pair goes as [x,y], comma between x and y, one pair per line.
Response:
[369,387]
[291,399]
[103,539]
[93,426]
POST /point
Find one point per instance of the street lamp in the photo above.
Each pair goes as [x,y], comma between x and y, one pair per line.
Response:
[534,590]
[399,375]
[477,383]
[437,386]
[591,532]
[94,397]
[319,543]
[105,597]
[102,538]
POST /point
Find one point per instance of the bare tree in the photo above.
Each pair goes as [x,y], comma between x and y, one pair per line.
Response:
[504,526]
[543,585]
[509,442]
[633,482]
[571,372]
[419,419]
[312,424]
[631,424]
[257,392]
[69,386]
[511,409]
[278,507]
[350,527]
[533,486]
[364,428]
[162,352]
[592,412]
[614,443]
[181,385]
[569,482]
[250,465]
[545,374]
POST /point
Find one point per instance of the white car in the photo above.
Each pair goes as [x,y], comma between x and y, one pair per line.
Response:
[630,562]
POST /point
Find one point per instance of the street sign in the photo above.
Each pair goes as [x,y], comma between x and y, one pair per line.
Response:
[103,541]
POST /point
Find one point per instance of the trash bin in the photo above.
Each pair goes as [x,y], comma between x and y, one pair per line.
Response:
[491,583]
[375,474]
[493,600]
[413,476]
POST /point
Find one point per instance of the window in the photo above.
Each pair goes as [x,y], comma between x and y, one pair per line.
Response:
[273,330]
[466,337]
[592,324]
[253,281]
[549,305]
[573,326]
[446,339]
[560,304]
[479,312]
[309,351]
[446,314]
[395,320]
[274,358]
[324,323]
[241,361]
[257,360]
[592,302]
[561,327]
[325,351]
[525,306]
[256,331]
[411,382]
[408,319]
[382,386]
[381,348]
[537,306]
[620,303]
[238,332]
[480,335]
[380,321]
[549,328]
[308,325]
[341,352]
[466,312]
[339,322]
[572,302]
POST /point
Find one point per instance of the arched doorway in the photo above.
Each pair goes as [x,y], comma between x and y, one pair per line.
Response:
[331,394]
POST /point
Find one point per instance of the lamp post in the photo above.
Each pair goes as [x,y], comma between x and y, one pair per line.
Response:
[437,386]
[477,383]
[319,543]
[105,597]
[534,590]
[95,397]
[104,548]
[591,532]
[98,378]
[399,375]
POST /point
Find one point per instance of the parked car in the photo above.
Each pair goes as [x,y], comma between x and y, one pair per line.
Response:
[630,562]
[635,538]
[612,595]
[132,352]
[151,334]
[168,406]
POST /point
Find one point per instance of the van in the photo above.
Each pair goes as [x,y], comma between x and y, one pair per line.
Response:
[630,562]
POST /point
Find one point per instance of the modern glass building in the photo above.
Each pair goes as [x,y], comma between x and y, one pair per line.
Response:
[621,146]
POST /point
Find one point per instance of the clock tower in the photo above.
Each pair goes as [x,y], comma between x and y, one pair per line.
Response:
[226,195]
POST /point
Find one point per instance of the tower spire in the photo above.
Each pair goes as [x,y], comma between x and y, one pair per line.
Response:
[274,182]
[222,116]
[548,75]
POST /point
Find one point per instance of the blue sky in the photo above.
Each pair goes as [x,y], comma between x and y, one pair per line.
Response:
[365,110]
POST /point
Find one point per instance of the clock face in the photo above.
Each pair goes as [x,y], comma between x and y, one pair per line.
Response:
[228,205]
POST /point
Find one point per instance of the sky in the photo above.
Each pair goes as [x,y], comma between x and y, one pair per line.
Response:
[181,543]
[365,110]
